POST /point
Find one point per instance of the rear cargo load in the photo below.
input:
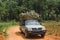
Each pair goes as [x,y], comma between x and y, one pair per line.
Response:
[32,15]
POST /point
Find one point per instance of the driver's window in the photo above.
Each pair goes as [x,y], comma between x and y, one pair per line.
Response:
[40,23]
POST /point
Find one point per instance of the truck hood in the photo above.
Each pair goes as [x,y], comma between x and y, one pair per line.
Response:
[34,26]
[29,27]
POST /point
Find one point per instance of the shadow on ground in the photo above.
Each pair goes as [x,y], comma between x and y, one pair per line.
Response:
[30,37]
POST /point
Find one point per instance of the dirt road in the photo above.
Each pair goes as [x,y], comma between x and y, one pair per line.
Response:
[14,34]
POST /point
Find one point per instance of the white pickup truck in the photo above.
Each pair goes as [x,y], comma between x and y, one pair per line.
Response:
[33,27]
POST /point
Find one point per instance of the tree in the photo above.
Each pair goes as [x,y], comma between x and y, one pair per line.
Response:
[2,10]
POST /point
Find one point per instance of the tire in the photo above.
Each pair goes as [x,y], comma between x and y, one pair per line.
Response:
[26,35]
[21,30]
[42,35]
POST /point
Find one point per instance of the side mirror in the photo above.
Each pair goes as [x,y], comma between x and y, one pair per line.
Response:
[23,23]
[40,23]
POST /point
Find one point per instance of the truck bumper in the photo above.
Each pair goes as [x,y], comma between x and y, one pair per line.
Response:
[36,32]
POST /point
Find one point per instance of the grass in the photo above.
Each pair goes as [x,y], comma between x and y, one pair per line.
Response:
[53,27]
[5,25]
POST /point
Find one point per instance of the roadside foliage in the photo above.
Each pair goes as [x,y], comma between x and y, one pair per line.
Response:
[42,10]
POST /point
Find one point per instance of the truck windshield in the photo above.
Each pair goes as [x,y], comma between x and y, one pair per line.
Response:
[32,22]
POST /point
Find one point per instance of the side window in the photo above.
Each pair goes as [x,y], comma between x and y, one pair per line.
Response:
[23,23]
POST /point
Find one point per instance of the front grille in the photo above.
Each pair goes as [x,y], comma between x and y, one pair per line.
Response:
[39,28]
[35,29]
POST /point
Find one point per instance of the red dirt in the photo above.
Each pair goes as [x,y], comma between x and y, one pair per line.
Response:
[14,34]
[2,37]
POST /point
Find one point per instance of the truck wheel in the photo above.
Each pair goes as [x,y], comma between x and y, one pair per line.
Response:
[21,31]
[42,35]
[26,35]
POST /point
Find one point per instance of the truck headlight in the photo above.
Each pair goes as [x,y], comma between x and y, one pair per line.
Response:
[43,28]
[29,29]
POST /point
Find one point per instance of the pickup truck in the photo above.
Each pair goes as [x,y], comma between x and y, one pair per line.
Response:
[33,27]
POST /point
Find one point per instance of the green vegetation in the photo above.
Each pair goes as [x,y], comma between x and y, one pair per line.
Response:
[53,27]
[47,9]
[5,25]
